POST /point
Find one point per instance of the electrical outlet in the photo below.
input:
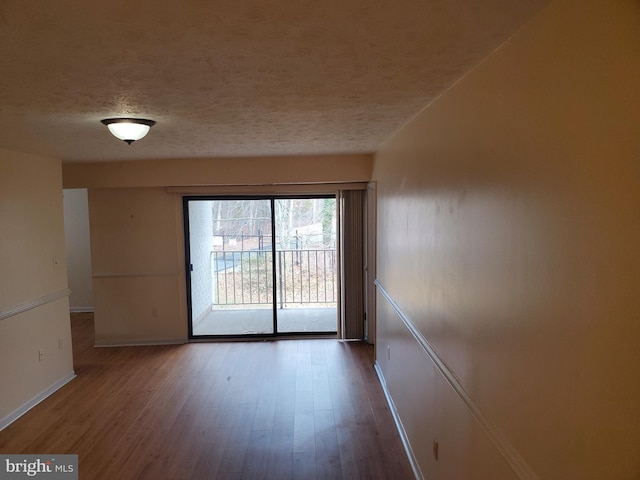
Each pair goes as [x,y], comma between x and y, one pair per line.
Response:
[388,352]
[40,355]
[60,344]
[436,447]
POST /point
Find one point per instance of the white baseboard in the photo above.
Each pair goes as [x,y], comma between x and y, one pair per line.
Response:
[28,405]
[140,343]
[401,431]
[517,463]
[81,309]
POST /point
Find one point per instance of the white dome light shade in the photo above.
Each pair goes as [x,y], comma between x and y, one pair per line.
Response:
[128,129]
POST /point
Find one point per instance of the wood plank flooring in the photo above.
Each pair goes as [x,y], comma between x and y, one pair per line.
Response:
[288,409]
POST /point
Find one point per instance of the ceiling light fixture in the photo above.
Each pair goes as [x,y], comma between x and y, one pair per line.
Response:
[128,129]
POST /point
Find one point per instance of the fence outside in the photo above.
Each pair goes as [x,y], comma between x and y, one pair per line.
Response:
[304,277]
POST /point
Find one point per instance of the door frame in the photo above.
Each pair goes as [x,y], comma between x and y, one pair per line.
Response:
[187,266]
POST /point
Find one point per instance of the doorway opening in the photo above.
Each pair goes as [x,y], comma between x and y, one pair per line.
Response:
[261,266]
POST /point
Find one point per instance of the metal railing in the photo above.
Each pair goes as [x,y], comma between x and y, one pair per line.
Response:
[246,277]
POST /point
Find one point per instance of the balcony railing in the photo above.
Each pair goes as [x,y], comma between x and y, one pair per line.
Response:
[244,278]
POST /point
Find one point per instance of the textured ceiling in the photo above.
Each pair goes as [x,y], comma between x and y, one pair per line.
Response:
[233,77]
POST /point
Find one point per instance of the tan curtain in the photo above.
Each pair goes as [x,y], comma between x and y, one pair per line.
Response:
[352,208]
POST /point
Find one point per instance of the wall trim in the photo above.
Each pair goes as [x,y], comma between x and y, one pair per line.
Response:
[268,189]
[29,404]
[140,342]
[135,274]
[518,464]
[36,302]
[81,309]
[400,427]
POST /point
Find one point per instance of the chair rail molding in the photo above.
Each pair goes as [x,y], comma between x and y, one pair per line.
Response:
[35,303]
[513,458]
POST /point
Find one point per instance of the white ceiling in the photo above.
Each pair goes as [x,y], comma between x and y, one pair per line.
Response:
[233,77]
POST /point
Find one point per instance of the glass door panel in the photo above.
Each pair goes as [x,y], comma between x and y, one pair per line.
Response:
[306,265]
[231,267]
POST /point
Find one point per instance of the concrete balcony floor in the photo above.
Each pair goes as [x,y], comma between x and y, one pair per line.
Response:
[258,321]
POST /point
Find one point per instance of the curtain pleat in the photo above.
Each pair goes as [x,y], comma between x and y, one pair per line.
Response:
[352,208]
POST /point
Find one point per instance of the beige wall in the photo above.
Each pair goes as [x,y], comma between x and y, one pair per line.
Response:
[78,249]
[138,266]
[34,310]
[219,171]
[508,220]
[137,240]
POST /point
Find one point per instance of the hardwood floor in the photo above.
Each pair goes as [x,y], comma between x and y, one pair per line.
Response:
[288,409]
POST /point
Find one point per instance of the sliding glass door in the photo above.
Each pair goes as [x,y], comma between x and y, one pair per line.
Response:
[261,266]
[230,267]
[307,268]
